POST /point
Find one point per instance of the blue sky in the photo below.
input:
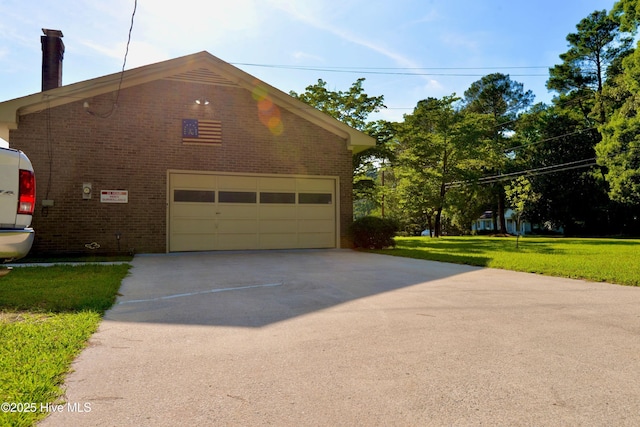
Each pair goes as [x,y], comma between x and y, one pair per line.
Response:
[444,45]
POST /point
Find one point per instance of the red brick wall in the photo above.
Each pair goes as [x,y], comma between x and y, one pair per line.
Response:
[133,148]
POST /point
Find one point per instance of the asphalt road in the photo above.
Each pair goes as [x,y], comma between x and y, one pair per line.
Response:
[341,338]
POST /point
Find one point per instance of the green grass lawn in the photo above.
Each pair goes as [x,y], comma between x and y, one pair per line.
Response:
[47,314]
[600,260]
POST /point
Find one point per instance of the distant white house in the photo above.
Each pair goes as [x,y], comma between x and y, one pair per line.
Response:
[485,223]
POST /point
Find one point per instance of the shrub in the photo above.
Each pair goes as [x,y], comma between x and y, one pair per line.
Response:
[371,232]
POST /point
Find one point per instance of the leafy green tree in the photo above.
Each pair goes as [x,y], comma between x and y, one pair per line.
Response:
[440,144]
[619,152]
[520,194]
[503,100]
[499,96]
[414,199]
[353,108]
[627,13]
[581,75]
[572,197]
[369,166]
[466,205]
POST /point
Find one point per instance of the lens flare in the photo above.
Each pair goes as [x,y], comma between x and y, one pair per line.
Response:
[268,112]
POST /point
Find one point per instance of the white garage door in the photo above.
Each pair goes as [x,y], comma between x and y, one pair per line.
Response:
[226,212]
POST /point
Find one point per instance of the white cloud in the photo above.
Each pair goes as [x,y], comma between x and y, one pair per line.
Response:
[199,22]
[390,115]
[306,57]
[164,30]
[457,40]
[140,53]
[312,14]
[433,85]
[431,16]
[113,51]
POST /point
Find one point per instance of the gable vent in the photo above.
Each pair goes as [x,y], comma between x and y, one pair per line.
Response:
[203,76]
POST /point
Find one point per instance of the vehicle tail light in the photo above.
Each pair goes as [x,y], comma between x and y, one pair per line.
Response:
[27,199]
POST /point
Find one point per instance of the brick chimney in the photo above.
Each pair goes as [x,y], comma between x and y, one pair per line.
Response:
[52,54]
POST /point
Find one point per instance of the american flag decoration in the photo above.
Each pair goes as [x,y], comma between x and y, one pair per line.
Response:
[195,131]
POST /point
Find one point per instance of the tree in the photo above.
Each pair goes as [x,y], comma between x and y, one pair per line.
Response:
[627,14]
[520,194]
[619,150]
[353,107]
[592,49]
[414,200]
[369,166]
[502,99]
[573,197]
[466,205]
[440,144]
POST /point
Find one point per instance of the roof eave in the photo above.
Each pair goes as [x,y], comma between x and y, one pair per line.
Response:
[12,109]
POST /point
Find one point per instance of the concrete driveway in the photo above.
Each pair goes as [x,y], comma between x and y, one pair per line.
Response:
[319,338]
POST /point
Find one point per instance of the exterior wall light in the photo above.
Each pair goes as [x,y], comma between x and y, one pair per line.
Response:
[202,101]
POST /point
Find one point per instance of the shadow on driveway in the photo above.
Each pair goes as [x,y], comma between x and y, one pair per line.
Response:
[307,338]
[253,289]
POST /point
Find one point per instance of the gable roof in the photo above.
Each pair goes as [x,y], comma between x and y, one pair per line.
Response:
[201,67]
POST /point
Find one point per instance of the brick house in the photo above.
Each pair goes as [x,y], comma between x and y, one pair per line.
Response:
[187,154]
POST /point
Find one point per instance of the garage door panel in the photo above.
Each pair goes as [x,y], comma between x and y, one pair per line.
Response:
[237,211]
[278,226]
[237,182]
[316,240]
[313,226]
[278,212]
[193,181]
[237,241]
[277,184]
[238,226]
[229,212]
[278,241]
[193,242]
[316,212]
[193,226]
[198,210]
[315,185]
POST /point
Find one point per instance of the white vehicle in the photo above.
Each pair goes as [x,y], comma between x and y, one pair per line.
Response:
[17,202]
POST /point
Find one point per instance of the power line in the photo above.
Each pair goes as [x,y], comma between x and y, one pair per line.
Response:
[395,68]
[126,52]
[528,144]
[562,167]
[114,105]
[396,71]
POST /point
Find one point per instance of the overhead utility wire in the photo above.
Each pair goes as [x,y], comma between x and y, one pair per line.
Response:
[528,144]
[578,164]
[126,52]
[361,70]
[388,68]
[114,105]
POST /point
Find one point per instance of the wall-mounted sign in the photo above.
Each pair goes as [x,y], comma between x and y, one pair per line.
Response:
[114,196]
